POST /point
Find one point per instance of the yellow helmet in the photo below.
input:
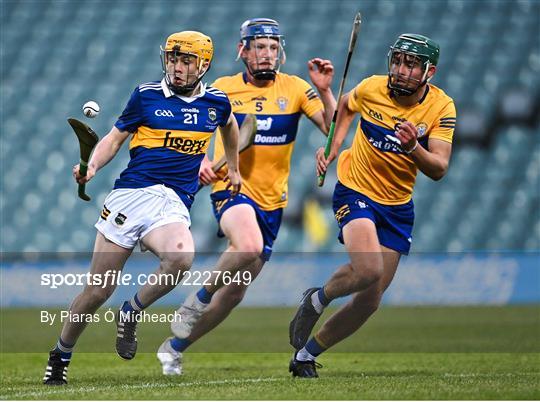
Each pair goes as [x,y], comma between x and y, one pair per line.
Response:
[193,43]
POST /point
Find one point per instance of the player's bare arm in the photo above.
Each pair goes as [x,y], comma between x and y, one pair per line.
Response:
[321,73]
[344,120]
[104,152]
[433,162]
[206,174]
[230,134]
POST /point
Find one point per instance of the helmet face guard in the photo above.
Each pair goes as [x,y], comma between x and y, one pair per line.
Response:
[411,50]
[405,85]
[194,50]
[262,28]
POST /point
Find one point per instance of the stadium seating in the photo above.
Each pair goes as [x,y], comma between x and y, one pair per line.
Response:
[57,55]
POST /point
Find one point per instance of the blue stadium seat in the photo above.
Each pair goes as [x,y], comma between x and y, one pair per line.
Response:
[117,47]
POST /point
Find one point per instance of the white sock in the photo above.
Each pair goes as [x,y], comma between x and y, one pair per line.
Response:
[303,355]
[134,304]
[319,307]
[194,301]
[62,348]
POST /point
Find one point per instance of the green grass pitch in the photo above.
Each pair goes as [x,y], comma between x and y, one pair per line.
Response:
[401,353]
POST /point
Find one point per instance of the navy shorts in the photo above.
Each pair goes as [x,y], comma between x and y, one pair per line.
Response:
[394,223]
[269,221]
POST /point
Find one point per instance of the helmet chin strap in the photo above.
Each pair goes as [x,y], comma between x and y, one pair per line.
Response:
[185,89]
[261,75]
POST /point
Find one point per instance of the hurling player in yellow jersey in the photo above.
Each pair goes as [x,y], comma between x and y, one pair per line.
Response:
[251,219]
[406,125]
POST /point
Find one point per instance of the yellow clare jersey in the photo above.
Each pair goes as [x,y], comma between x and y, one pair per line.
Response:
[375,165]
[278,107]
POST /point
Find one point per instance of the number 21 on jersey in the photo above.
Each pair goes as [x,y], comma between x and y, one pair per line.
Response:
[190,118]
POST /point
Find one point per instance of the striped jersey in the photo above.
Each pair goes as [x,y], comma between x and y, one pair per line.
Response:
[375,165]
[265,166]
[171,134]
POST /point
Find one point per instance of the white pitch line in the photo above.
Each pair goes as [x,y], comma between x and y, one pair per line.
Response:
[472,375]
[69,390]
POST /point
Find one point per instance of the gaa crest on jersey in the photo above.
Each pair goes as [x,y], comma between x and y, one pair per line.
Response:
[282,103]
[120,219]
[422,129]
[212,114]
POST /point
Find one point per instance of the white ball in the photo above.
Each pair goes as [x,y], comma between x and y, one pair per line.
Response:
[90,109]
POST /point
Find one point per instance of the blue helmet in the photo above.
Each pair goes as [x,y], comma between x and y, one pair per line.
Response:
[259,27]
[262,28]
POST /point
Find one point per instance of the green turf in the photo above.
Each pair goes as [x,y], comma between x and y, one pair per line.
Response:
[402,353]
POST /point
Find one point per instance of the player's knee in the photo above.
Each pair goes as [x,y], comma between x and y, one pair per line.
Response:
[96,295]
[249,247]
[373,274]
[368,301]
[174,262]
[364,276]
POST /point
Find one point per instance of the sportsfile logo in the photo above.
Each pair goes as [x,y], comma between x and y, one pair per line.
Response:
[184,145]
[113,277]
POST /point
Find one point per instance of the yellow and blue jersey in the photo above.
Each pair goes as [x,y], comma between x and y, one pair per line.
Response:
[375,165]
[278,107]
[171,135]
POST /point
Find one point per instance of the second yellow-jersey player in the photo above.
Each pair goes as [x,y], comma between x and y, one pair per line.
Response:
[278,101]
[278,107]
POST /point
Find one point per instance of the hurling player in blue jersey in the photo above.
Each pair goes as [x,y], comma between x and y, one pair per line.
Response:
[170,124]
[251,220]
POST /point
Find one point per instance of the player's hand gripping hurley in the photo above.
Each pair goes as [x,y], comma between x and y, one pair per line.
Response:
[352,43]
[248,130]
[87,141]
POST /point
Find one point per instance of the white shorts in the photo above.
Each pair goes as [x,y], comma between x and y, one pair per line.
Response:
[131,213]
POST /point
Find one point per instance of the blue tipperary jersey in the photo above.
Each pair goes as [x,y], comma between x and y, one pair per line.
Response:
[171,134]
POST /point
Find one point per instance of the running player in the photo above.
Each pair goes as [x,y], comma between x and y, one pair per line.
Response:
[251,219]
[406,125]
[170,124]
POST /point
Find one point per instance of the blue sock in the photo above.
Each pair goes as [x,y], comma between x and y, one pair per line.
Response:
[314,348]
[64,349]
[325,301]
[127,308]
[204,295]
[180,344]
